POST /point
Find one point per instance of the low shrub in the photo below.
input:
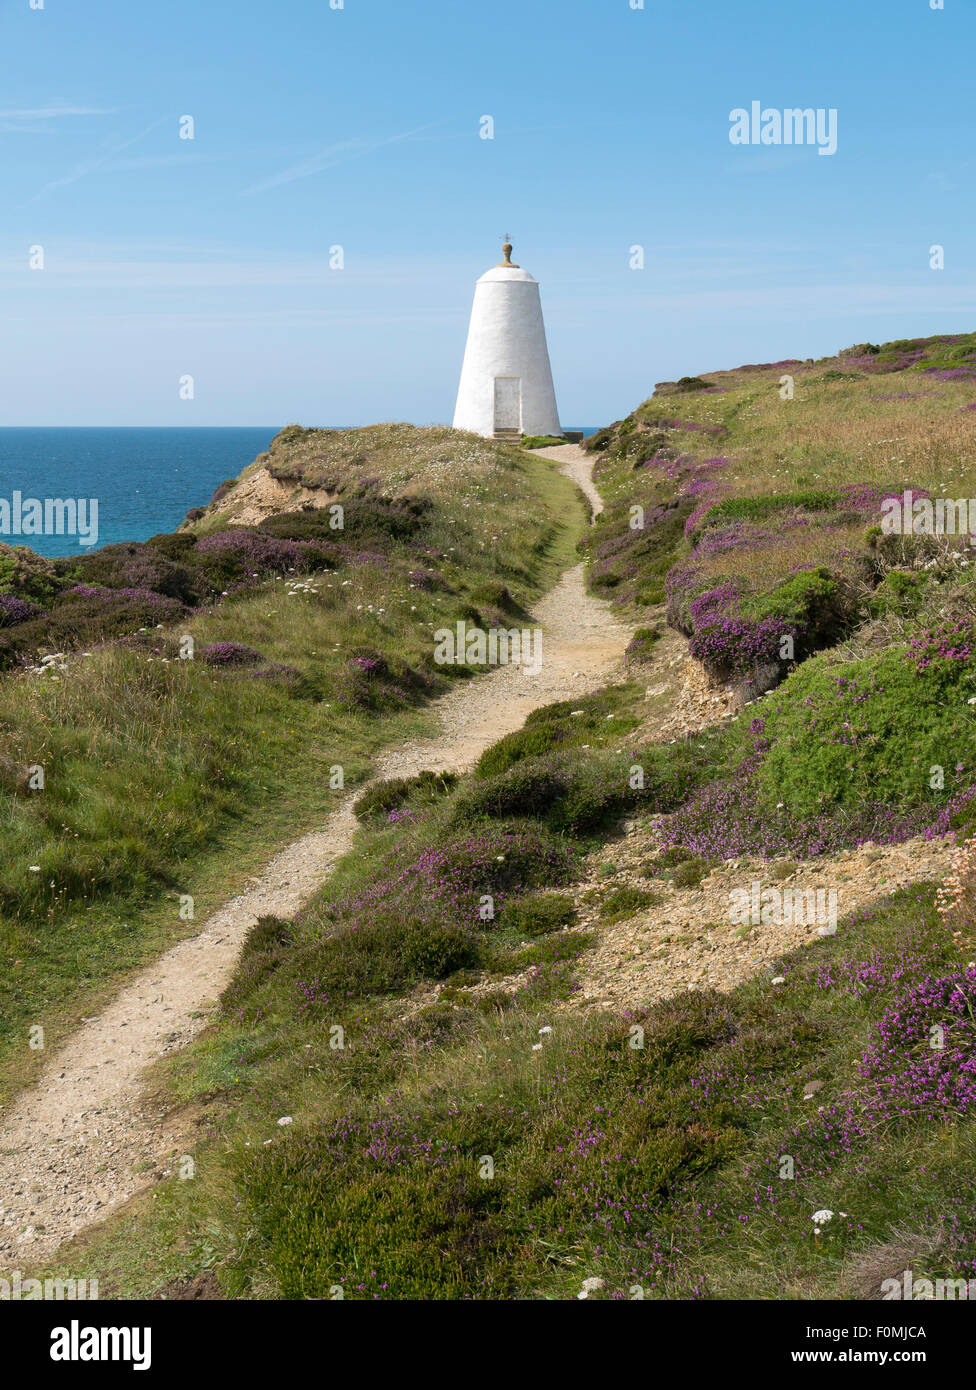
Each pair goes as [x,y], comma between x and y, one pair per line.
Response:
[371,680]
[528,788]
[574,791]
[380,955]
[591,719]
[230,654]
[625,902]
[643,642]
[266,945]
[529,742]
[85,616]
[736,634]
[450,876]
[901,592]
[239,553]
[28,576]
[873,730]
[391,794]
[14,610]
[689,873]
[376,1209]
[136,566]
[536,914]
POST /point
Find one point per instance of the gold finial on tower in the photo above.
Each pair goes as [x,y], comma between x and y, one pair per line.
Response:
[507,253]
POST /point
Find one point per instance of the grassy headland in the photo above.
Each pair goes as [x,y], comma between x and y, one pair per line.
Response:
[311,647]
[371,1134]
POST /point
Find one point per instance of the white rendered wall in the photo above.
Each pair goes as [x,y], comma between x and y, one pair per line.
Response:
[506,337]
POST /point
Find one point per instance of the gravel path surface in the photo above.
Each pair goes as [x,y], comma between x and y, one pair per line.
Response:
[687,940]
[578,466]
[84,1138]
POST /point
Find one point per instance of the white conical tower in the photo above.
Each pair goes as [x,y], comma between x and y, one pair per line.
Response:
[506,381]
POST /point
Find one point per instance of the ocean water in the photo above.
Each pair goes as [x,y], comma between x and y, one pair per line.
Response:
[144,480]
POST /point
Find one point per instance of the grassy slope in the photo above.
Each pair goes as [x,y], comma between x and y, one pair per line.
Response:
[155,769]
[660,1168]
[633,1165]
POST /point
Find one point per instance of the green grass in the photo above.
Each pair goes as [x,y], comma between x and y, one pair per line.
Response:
[362,1187]
[541,441]
[154,767]
[487,1141]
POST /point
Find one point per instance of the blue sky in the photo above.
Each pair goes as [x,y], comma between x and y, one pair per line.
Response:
[360,127]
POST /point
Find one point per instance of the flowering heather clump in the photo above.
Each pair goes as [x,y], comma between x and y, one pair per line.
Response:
[83,617]
[98,591]
[898,361]
[740,533]
[672,466]
[954,641]
[368,681]
[879,972]
[953,373]
[914,1072]
[723,821]
[240,552]
[277,671]
[730,643]
[703,485]
[230,654]
[133,565]
[428,580]
[683,583]
[733,816]
[919,1065]
[866,497]
[691,524]
[734,646]
[501,861]
[361,684]
[15,610]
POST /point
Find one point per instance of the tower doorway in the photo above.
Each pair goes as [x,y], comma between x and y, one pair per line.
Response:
[508,403]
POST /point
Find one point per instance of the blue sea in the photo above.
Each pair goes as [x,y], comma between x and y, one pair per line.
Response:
[144,480]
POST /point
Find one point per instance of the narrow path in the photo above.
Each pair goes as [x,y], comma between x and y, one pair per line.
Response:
[83,1138]
[578,466]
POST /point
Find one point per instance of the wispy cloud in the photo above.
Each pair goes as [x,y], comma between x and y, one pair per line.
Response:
[89,166]
[200,269]
[339,153]
[159,161]
[51,113]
